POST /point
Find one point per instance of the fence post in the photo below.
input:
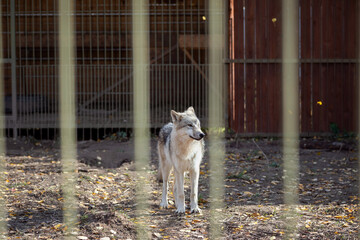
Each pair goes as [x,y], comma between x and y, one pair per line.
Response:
[216,114]
[358,94]
[67,115]
[13,68]
[3,210]
[290,108]
[140,46]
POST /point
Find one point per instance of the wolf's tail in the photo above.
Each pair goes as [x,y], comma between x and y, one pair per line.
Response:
[159,175]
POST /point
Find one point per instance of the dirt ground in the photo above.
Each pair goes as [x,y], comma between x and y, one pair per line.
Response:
[254,208]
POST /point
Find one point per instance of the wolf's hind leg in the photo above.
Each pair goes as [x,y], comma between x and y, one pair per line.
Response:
[165,172]
[162,160]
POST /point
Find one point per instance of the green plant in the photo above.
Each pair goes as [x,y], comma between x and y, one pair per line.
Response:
[334,128]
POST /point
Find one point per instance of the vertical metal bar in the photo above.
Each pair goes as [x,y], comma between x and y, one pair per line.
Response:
[124,70]
[26,70]
[80,68]
[190,68]
[358,94]
[162,68]
[140,46]
[112,69]
[216,113]
[179,85]
[13,68]
[245,66]
[33,82]
[98,68]
[200,32]
[41,91]
[153,70]
[20,82]
[226,55]
[67,114]
[91,69]
[56,69]
[105,69]
[290,106]
[206,58]
[3,210]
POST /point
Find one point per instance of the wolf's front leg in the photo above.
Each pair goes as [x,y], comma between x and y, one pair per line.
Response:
[194,176]
[179,194]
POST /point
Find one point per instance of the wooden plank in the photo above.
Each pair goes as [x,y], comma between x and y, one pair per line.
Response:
[331,50]
[316,29]
[316,53]
[350,29]
[237,91]
[306,98]
[262,22]
[306,51]
[350,100]
[274,76]
[275,29]
[276,124]
[250,101]
[250,28]
[350,95]
[195,41]
[305,81]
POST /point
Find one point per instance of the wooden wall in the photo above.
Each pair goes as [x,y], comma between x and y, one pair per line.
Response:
[327,73]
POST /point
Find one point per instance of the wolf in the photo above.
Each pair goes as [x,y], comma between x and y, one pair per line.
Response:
[181,146]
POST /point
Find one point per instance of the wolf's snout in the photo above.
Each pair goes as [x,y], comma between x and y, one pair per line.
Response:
[201,135]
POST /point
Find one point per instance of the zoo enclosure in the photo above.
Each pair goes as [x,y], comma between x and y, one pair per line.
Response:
[179,64]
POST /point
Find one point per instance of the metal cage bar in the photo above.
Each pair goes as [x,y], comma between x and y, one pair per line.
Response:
[3,208]
[290,106]
[67,115]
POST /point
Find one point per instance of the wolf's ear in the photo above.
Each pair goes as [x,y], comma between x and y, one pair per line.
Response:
[175,116]
[190,109]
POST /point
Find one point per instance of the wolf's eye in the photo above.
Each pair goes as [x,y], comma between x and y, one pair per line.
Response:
[190,125]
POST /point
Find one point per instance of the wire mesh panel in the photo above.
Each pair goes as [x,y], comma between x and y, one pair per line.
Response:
[178,62]
[178,43]
[31,87]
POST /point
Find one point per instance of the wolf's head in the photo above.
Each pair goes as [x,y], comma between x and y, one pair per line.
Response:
[187,123]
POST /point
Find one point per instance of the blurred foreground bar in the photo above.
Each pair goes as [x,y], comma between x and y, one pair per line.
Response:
[216,114]
[290,108]
[67,116]
[140,43]
[3,210]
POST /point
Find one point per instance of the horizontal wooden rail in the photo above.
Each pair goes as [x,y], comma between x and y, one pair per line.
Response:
[307,60]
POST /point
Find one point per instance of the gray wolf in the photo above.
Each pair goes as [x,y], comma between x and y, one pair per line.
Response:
[181,146]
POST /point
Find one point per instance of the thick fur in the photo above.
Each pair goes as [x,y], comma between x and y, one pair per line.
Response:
[181,146]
